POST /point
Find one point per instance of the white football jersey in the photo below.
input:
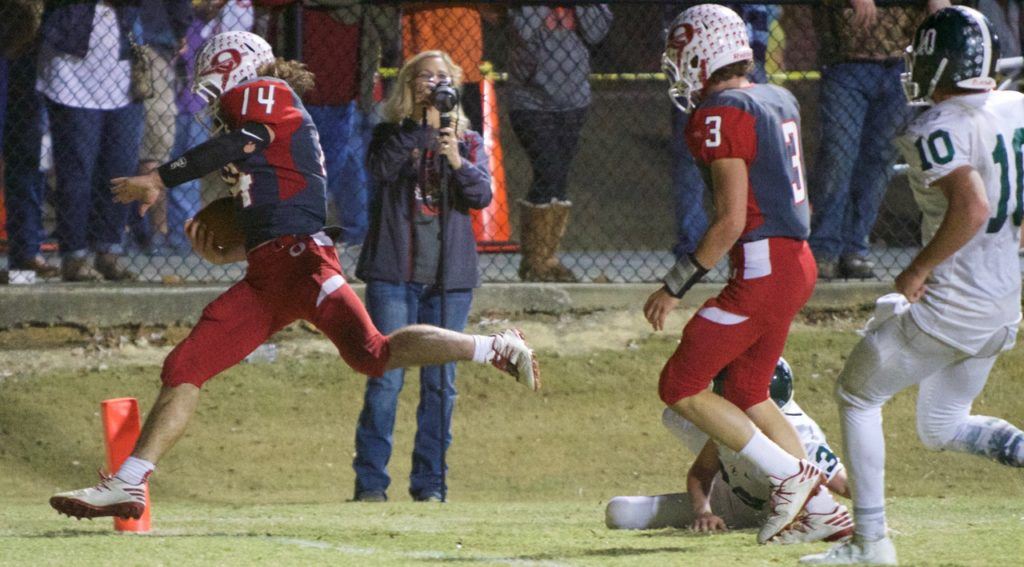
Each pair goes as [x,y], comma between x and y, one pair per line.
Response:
[975,292]
[744,479]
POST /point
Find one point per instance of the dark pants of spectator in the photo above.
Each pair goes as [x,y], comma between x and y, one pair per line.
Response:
[688,186]
[345,137]
[550,140]
[24,183]
[90,147]
[862,108]
[391,306]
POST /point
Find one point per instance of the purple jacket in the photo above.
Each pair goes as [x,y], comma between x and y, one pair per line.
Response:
[394,171]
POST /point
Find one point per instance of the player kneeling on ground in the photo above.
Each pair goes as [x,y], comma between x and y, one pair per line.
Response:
[293,270]
[725,491]
[958,302]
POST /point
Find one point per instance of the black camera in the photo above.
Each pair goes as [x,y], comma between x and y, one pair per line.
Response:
[444,97]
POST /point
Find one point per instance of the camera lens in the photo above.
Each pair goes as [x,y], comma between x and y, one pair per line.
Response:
[444,97]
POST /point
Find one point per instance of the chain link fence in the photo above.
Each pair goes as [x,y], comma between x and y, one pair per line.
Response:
[590,177]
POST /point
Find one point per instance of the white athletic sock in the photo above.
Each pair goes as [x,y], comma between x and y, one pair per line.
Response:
[135,470]
[483,348]
[771,458]
[821,502]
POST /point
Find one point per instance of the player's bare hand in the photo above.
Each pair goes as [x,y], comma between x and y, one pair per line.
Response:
[145,189]
[708,523]
[910,283]
[448,145]
[657,308]
[865,13]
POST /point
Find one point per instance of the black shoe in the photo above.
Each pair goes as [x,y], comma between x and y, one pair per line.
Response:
[77,270]
[827,269]
[106,264]
[857,267]
[371,496]
[428,497]
[39,266]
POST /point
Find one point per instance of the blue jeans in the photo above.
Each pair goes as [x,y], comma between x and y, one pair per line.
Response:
[862,109]
[24,183]
[345,137]
[91,147]
[392,306]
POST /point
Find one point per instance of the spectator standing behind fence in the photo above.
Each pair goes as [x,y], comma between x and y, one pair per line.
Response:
[862,108]
[22,133]
[687,183]
[85,76]
[331,51]
[548,95]
[455,30]
[192,125]
[400,260]
[1007,19]
[163,27]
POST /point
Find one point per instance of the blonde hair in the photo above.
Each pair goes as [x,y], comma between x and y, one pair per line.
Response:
[400,103]
[300,79]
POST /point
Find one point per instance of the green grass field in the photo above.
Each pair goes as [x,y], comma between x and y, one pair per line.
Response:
[264,474]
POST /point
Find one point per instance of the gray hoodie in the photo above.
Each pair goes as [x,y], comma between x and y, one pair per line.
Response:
[549,66]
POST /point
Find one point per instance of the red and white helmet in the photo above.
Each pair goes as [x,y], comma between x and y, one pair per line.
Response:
[701,40]
[226,60]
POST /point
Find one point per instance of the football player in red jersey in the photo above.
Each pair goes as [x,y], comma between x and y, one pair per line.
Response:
[746,138]
[293,270]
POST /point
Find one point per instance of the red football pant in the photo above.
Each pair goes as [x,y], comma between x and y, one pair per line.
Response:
[292,277]
[746,326]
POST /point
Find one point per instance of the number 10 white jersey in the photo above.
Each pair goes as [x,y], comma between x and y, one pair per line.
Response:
[975,292]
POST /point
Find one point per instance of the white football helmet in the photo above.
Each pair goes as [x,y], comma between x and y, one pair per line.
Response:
[701,40]
[226,60]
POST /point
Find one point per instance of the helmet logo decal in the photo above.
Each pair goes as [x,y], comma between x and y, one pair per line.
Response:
[681,36]
[223,63]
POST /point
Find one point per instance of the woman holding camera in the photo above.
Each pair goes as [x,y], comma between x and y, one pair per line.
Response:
[414,152]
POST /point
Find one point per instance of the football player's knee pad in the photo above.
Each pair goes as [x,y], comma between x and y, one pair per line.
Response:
[646,512]
[677,383]
[848,399]
[175,373]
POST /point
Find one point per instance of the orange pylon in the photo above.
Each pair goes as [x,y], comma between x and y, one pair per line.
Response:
[491,225]
[120,432]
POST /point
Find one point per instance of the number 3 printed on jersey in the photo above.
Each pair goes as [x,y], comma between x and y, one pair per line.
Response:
[791,134]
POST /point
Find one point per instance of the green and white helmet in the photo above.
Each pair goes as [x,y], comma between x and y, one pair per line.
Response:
[954,47]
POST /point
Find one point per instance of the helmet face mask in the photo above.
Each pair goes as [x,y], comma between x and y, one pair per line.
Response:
[701,40]
[954,48]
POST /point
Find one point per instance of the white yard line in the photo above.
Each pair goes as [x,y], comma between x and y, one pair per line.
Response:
[434,555]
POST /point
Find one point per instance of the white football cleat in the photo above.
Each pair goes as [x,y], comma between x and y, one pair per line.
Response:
[836,525]
[111,497]
[511,355]
[856,552]
[788,498]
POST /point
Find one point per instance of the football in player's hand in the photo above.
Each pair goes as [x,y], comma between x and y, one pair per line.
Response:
[219,218]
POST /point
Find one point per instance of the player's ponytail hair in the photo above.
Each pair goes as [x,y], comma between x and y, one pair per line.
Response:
[400,103]
[300,79]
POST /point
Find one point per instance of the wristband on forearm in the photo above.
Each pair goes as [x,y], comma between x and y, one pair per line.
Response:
[683,275]
[214,154]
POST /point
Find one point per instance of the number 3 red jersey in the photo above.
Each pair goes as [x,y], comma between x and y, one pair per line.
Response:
[759,124]
[288,190]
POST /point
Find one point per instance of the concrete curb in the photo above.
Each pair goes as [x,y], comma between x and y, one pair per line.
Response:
[105,305]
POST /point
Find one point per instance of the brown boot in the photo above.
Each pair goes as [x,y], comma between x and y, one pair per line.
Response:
[106,264]
[78,270]
[543,228]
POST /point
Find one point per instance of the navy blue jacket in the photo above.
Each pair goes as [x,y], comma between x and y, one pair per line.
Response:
[394,169]
[67,24]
